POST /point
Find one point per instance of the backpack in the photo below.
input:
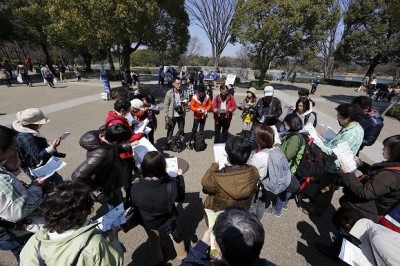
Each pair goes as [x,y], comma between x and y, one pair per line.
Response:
[278,176]
[198,143]
[177,144]
[104,127]
[313,161]
[308,116]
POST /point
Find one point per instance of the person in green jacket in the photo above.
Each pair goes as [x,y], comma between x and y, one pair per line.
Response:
[293,148]
[65,239]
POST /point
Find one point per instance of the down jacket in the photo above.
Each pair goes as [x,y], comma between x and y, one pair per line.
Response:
[377,193]
[231,186]
[97,170]
[372,123]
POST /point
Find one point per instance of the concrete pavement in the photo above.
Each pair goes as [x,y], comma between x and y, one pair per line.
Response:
[73,107]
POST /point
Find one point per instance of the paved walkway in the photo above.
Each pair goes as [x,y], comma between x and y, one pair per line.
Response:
[76,107]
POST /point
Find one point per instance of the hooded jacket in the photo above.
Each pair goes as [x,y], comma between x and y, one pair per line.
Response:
[230,107]
[372,123]
[232,185]
[87,243]
[377,193]
[97,170]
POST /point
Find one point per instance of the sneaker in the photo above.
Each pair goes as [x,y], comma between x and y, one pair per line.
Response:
[271,211]
[285,208]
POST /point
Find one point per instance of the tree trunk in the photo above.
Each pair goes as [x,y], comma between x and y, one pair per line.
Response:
[263,70]
[216,63]
[372,65]
[87,59]
[110,60]
[126,54]
[49,62]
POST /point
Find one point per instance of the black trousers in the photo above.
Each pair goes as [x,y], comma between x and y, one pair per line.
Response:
[196,124]
[221,131]
[171,125]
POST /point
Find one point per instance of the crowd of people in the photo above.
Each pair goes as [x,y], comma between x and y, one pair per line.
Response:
[47,221]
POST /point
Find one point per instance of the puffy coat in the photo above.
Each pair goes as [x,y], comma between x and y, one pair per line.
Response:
[232,185]
[265,113]
[97,170]
[372,123]
[376,194]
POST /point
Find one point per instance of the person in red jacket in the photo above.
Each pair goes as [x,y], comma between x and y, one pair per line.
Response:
[200,104]
[223,107]
[122,108]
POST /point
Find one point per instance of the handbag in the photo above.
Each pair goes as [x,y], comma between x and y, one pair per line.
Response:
[55,81]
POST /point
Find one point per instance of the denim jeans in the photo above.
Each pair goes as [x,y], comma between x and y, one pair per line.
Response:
[281,201]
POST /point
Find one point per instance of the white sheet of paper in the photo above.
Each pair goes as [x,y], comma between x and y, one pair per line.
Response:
[172,166]
[129,117]
[329,134]
[313,132]
[156,107]
[114,217]
[47,170]
[140,150]
[344,153]
[277,138]
[211,217]
[220,155]
[353,255]
[230,79]
[64,135]
[141,127]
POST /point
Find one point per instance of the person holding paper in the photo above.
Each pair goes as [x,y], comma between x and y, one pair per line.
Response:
[66,239]
[100,170]
[33,148]
[223,107]
[370,120]
[235,184]
[352,133]
[18,202]
[247,108]
[239,238]
[149,104]
[200,104]
[175,110]
[153,194]
[378,190]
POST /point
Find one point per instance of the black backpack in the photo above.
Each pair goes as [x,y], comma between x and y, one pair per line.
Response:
[313,161]
[177,143]
[199,142]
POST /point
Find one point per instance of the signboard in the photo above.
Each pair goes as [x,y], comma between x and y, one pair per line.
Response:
[106,84]
[230,79]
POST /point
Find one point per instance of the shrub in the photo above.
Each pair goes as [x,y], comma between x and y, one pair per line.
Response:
[267,76]
[394,112]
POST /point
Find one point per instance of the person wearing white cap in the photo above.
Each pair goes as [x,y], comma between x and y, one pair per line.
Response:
[268,110]
[33,148]
[248,111]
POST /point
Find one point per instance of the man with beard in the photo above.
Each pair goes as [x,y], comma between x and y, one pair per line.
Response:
[352,133]
[223,107]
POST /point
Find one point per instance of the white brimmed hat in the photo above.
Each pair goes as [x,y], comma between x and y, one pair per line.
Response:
[136,103]
[32,116]
[252,90]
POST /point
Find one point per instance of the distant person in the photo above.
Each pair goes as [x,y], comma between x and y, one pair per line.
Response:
[7,66]
[62,70]
[314,85]
[370,120]
[374,82]
[231,89]
[201,78]
[77,74]
[5,76]
[200,104]
[28,64]
[239,238]
[23,71]
[294,77]
[47,75]
[235,184]
[160,73]
[223,107]
[175,103]
[66,238]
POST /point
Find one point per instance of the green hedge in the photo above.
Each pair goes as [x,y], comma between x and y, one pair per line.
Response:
[267,76]
[254,84]
[394,112]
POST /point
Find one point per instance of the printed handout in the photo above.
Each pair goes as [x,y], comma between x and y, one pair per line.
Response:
[345,155]
[172,166]
[353,255]
[140,150]
[47,170]
[220,155]
[115,217]
[211,218]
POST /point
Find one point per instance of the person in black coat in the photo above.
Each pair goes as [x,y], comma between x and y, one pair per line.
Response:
[153,194]
[100,170]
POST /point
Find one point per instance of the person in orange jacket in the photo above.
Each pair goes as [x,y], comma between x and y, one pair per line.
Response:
[200,104]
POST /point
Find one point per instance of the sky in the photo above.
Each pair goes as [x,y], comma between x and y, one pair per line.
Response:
[195,30]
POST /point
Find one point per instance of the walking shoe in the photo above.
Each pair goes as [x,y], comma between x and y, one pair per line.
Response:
[285,208]
[271,211]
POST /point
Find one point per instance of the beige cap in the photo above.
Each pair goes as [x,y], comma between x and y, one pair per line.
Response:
[268,91]
[252,90]
[136,103]
[32,116]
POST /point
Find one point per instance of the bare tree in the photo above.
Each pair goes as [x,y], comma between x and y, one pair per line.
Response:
[243,57]
[214,17]
[195,48]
